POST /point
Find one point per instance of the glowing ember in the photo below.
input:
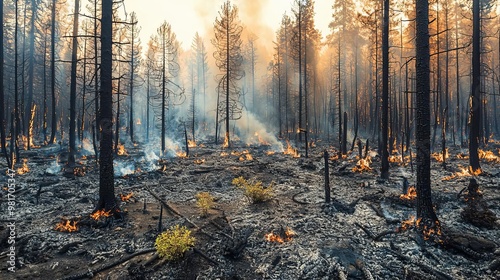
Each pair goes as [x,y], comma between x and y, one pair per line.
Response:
[270,153]
[363,165]
[199,161]
[67,226]
[285,236]
[463,173]
[224,154]
[79,171]
[462,156]
[439,156]
[410,195]
[100,213]
[126,197]
[24,169]
[246,156]
[121,150]
[191,144]
[489,156]
[291,151]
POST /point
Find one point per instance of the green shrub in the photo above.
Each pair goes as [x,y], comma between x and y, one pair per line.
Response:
[204,201]
[173,243]
[255,191]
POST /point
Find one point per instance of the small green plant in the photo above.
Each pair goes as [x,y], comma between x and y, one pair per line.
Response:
[173,243]
[204,201]
[255,191]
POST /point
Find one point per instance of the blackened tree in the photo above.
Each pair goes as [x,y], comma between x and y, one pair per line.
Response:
[425,211]
[228,58]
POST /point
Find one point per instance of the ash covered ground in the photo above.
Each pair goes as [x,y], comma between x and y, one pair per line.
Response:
[358,235]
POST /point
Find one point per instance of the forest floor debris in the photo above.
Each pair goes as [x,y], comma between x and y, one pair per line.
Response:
[236,239]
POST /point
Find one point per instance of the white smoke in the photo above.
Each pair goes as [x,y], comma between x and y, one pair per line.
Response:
[123,168]
[54,168]
[252,131]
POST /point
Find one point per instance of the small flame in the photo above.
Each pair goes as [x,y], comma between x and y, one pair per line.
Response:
[79,171]
[287,236]
[489,156]
[66,226]
[226,141]
[463,173]
[410,195]
[100,213]
[138,121]
[121,150]
[291,151]
[395,159]
[224,154]
[126,197]
[199,161]
[270,153]
[462,156]
[261,140]
[246,156]
[191,144]
[363,165]
[439,156]
[24,169]
[427,231]
[181,154]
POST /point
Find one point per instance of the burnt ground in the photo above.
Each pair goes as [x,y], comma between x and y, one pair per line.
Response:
[331,241]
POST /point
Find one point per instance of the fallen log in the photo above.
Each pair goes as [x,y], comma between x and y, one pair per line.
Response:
[91,272]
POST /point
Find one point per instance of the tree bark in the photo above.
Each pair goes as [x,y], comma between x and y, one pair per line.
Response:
[475,110]
[2,93]
[72,94]
[425,210]
[384,172]
[53,72]
[106,175]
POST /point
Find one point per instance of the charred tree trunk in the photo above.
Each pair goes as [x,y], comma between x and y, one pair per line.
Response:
[344,135]
[384,172]
[2,93]
[475,110]
[106,176]
[425,210]
[131,88]
[53,72]
[72,94]
[31,69]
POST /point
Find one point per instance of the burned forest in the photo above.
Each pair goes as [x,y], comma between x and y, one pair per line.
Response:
[298,139]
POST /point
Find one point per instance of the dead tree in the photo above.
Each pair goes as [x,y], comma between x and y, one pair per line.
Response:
[475,109]
[425,211]
[384,172]
[72,109]
[2,93]
[106,174]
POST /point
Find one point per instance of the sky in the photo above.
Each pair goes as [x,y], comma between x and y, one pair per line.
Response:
[262,17]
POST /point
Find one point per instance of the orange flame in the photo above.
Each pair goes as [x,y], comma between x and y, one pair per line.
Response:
[463,173]
[270,153]
[199,161]
[24,169]
[224,154]
[100,213]
[291,151]
[261,140]
[410,195]
[226,141]
[191,144]
[489,156]
[126,197]
[395,159]
[67,226]
[363,165]
[181,154]
[272,237]
[439,156]
[121,150]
